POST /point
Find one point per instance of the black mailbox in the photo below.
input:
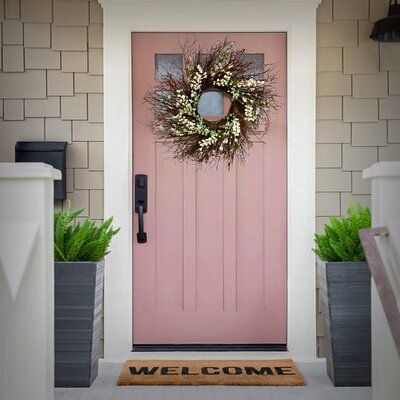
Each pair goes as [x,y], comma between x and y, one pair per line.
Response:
[52,153]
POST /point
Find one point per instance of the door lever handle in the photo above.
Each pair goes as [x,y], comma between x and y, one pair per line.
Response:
[141,235]
[141,205]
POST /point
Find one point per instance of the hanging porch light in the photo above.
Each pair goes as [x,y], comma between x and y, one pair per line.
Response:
[388,29]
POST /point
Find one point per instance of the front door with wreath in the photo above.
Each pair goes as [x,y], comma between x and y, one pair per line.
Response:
[211,268]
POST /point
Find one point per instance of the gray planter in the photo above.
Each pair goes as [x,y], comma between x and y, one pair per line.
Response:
[78,312]
[345,292]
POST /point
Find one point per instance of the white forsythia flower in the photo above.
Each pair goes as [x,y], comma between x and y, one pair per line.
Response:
[249,113]
[195,81]
[236,127]
[224,80]
[207,142]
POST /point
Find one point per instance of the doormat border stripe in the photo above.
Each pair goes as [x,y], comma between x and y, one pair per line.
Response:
[282,372]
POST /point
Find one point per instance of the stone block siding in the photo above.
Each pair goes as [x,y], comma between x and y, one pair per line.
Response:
[358,106]
[51,87]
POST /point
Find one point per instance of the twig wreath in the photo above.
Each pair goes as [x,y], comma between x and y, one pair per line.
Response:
[175,104]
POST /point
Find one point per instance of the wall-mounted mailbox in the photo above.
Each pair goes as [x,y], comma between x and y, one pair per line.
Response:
[53,153]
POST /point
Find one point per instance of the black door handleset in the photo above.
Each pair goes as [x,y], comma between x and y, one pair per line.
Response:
[141,205]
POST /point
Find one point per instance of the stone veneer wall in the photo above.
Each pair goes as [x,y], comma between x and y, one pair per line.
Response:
[51,89]
[358,106]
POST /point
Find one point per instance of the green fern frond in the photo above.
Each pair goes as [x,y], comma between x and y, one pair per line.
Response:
[80,242]
[77,240]
[340,241]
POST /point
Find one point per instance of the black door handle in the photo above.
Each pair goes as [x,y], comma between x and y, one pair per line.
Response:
[141,205]
[141,235]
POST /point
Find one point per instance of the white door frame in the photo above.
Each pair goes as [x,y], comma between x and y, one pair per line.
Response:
[298,19]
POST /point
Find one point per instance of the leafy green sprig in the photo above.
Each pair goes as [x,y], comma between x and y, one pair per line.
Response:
[75,241]
[340,241]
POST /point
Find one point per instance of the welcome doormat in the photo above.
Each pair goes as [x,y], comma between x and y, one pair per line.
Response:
[211,372]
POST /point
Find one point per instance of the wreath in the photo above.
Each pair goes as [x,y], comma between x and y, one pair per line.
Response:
[249,93]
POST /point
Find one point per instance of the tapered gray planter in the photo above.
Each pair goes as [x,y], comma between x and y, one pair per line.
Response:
[345,292]
[78,311]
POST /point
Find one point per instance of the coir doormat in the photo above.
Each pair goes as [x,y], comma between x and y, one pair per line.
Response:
[211,372]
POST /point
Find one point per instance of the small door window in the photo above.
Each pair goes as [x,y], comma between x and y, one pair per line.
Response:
[259,64]
[168,64]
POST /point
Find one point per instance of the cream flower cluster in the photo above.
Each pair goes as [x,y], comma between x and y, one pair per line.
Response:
[185,125]
[231,132]
[236,127]
[250,114]
[219,66]
[250,83]
[185,104]
[224,81]
[207,142]
[197,78]
[184,122]
[181,99]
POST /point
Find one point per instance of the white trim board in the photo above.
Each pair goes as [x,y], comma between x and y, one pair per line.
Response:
[298,19]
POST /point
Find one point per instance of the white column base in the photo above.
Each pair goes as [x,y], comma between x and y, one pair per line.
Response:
[26,281]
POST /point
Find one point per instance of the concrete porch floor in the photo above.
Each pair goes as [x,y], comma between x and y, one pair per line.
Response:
[318,387]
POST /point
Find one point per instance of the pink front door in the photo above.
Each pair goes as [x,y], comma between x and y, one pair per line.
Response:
[213,270]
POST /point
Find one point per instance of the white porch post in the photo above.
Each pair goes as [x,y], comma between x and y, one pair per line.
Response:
[385,183]
[26,281]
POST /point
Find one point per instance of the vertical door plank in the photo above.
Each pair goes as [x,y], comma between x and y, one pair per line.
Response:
[169,226]
[250,231]
[210,256]
[230,193]
[189,238]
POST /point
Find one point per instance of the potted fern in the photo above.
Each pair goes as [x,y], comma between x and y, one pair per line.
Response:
[345,297]
[79,250]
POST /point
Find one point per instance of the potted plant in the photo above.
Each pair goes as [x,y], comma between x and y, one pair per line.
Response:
[79,250]
[345,293]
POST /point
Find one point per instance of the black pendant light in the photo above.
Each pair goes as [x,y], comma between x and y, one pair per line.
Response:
[388,29]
